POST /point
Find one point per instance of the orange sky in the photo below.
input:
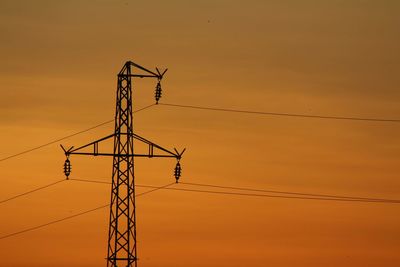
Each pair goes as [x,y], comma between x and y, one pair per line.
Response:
[59,61]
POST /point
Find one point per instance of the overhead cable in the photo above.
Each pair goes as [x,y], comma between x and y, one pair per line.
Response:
[298,115]
[277,194]
[74,215]
[288,192]
[166,187]
[287,197]
[66,137]
[31,191]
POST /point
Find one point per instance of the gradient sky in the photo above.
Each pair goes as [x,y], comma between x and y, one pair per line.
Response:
[59,61]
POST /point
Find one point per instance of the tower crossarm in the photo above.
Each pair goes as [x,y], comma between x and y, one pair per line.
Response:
[150,154]
[148,73]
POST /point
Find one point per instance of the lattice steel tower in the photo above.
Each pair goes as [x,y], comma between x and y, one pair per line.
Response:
[122,250]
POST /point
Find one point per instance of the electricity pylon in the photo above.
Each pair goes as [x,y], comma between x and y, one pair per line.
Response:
[122,225]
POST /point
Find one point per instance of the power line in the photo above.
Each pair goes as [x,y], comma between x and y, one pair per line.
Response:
[286,197]
[303,196]
[75,215]
[166,187]
[211,109]
[31,191]
[66,137]
[288,192]
[90,181]
[193,190]
[154,189]
[52,222]
[62,180]
[104,182]
[281,114]
[55,141]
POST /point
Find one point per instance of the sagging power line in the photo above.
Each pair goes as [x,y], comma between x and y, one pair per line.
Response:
[246,189]
[74,215]
[57,182]
[277,194]
[291,192]
[67,136]
[31,191]
[167,187]
[298,115]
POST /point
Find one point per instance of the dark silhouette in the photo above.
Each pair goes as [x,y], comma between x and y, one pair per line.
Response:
[122,225]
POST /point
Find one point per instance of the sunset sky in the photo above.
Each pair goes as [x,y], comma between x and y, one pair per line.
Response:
[59,61]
